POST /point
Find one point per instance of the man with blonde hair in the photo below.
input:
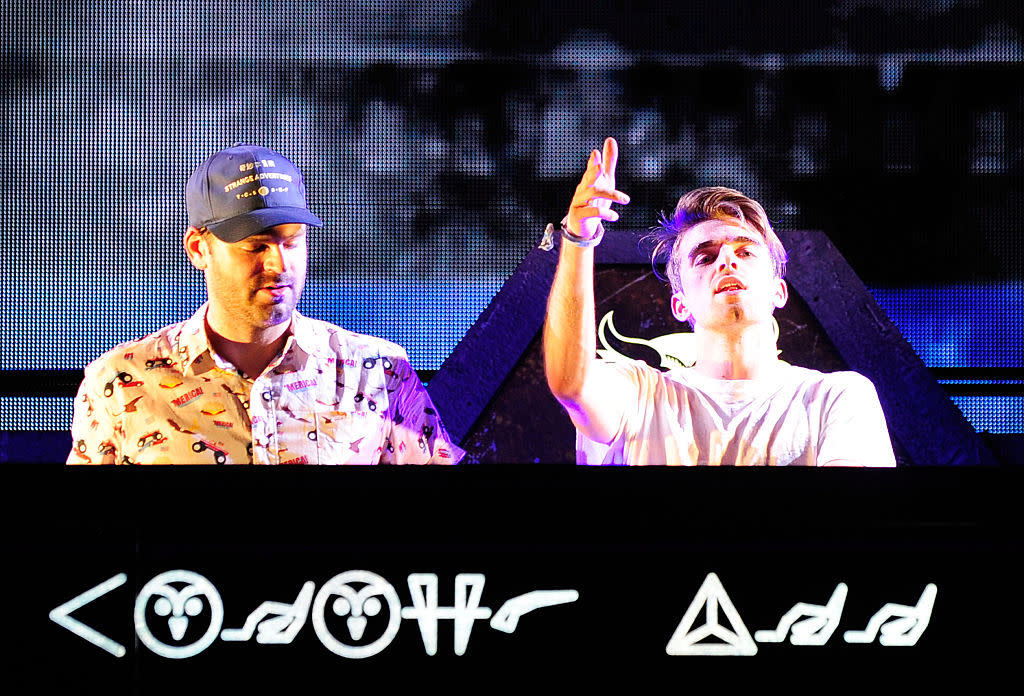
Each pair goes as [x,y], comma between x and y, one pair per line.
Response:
[738,404]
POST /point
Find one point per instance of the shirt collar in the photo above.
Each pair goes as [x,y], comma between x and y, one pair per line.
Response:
[191,340]
[311,336]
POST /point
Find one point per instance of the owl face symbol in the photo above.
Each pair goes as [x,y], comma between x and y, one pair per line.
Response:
[358,597]
[176,599]
[178,607]
[357,606]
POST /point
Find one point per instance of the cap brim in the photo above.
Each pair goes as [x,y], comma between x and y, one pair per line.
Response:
[247,224]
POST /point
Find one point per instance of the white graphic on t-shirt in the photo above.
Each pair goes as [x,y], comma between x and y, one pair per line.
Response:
[675,349]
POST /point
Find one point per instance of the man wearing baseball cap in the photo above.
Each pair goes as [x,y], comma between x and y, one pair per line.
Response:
[248,379]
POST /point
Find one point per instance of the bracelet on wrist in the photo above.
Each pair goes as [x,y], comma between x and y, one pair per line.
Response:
[547,242]
[581,241]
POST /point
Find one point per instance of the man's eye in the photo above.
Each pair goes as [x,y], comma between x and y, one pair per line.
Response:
[701,260]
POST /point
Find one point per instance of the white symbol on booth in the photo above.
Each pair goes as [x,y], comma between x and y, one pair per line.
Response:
[61,615]
[179,614]
[710,637]
[808,624]
[358,595]
[507,617]
[274,622]
[465,610]
[899,624]
[173,609]
[356,614]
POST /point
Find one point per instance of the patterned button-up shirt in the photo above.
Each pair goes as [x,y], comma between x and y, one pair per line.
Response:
[330,397]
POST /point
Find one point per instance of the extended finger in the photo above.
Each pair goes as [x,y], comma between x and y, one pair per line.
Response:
[611,156]
[593,170]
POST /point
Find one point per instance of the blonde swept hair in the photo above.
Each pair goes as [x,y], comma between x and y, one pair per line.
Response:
[713,203]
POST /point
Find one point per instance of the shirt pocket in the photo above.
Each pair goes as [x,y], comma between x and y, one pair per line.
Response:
[296,437]
[349,437]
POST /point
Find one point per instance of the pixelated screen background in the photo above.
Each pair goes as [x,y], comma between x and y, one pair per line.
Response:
[438,138]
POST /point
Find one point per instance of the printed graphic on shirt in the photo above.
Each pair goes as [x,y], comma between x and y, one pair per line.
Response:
[212,408]
[675,349]
[154,363]
[124,380]
[187,397]
[219,455]
[170,382]
[150,402]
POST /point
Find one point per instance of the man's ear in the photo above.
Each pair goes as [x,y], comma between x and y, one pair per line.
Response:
[781,293]
[679,309]
[197,247]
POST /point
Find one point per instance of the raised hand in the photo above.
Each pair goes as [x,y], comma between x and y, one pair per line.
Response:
[592,201]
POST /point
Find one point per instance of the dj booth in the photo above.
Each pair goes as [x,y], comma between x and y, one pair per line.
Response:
[538,574]
[206,579]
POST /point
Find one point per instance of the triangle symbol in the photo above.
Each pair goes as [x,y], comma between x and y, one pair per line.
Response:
[711,638]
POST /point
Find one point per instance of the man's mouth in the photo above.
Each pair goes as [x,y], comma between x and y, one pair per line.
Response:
[277,290]
[729,284]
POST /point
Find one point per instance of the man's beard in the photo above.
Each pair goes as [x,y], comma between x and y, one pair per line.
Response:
[246,310]
[280,309]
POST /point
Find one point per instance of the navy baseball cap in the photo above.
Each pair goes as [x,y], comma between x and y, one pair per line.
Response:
[245,189]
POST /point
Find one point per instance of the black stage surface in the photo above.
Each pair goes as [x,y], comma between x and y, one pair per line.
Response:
[248,580]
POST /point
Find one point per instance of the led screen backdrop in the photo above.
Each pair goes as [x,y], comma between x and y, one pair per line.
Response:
[437,139]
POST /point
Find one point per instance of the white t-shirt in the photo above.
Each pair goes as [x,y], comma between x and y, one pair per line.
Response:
[792,417]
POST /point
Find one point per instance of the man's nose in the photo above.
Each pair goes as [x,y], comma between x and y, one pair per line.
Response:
[726,257]
[273,259]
